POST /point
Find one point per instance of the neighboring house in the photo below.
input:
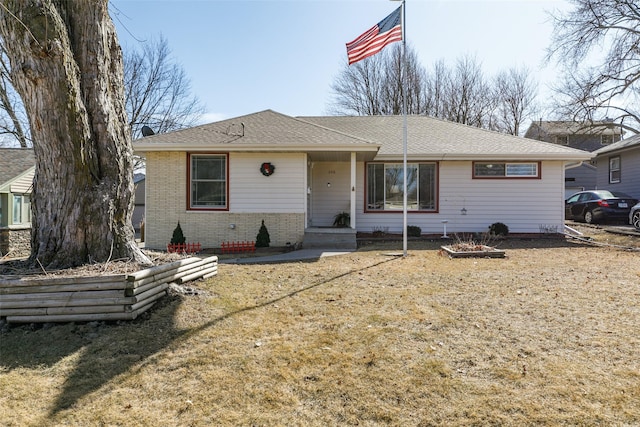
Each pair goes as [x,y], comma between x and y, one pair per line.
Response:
[17,166]
[222,179]
[583,136]
[137,218]
[619,166]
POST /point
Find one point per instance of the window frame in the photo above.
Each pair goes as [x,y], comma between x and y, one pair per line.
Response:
[538,174]
[190,156]
[21,206]
[609,142]
[562,139]
[614,170]
[435,186]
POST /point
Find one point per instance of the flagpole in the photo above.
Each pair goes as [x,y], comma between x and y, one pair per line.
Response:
[403,72]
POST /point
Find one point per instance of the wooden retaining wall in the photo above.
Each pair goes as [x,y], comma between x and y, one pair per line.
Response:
[84,299]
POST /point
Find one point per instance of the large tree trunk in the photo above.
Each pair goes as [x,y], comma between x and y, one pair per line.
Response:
[66,64]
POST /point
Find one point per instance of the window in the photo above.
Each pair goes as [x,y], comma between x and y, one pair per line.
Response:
[21,209]
[562,139]
[614,170]
[506,170]
[208,181]
[606,139]
[385,186]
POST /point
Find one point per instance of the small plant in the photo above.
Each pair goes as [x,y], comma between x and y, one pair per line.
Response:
[342,219]
[498,229]
[414,231]
[263,239]
[470,242]
[379,231]
[178,237]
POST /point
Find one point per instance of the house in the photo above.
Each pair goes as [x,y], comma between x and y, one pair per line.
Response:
[583,136]
[220,180]
[619,166]
[137,217]
[17,166]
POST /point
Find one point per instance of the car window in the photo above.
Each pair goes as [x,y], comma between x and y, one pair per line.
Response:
[621,195]
[573,198]
[586,196]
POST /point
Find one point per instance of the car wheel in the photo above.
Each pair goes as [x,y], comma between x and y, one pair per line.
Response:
[588,217]
[635,220]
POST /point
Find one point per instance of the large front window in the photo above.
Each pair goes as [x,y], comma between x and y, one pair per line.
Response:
[208,184]
[385,186]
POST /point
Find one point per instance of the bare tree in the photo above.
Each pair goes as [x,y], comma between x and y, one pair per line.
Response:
[157,90]
[468,98]
[374,86]
[13,123]
[515,92]
[66,64]
[597,44]
[436,90]
[460,94]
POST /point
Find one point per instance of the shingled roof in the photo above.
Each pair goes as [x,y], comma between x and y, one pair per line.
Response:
[545,128]
[431,138]
[265,130]
[625,144]
[428,138]
[14,162]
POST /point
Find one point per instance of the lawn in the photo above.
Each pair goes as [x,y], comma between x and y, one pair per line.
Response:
[546,336]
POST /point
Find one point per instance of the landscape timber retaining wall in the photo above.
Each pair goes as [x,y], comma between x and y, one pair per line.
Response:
[85,299]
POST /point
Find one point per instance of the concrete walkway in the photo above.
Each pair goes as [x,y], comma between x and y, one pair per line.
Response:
[293,256]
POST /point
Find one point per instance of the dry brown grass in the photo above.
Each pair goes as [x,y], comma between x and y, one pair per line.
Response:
[547,336]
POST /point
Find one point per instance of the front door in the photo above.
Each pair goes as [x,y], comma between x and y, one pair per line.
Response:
[330,192]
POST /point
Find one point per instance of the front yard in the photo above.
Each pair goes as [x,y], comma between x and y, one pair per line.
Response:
[546,336]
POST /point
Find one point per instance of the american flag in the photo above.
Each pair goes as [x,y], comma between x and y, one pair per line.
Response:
[372,41]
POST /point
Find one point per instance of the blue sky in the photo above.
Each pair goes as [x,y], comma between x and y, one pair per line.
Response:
[245,56]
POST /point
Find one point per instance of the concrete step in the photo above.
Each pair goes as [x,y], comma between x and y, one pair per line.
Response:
[330,238]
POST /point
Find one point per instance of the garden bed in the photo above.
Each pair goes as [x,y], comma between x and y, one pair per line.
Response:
[44,299]
[464,250]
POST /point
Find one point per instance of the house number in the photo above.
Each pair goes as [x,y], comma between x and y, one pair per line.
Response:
[332,172]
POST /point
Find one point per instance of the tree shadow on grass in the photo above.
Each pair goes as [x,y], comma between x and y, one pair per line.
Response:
[109,350]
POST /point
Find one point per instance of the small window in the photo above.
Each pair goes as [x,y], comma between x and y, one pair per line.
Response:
[208,181]
[21,209]
[606,139]
[562,139]
[506,170]
[614,170]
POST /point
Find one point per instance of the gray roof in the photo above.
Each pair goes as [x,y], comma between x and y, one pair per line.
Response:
[265,130]
[625,144]
[14,162]
[431,138]
[428,138]
[559,127]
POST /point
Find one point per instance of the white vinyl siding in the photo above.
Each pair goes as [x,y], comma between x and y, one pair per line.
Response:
[281,192]
[523,205]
